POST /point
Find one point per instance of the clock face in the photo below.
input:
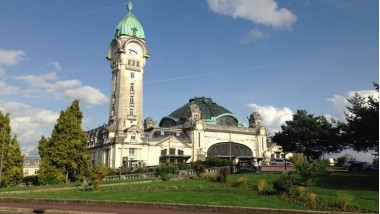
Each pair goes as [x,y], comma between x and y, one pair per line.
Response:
[133,49]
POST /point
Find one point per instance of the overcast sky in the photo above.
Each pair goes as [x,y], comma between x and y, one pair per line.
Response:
[272,57]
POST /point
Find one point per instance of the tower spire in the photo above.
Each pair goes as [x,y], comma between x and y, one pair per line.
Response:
[129,6]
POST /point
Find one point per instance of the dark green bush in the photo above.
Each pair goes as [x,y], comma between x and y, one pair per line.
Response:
[216,162]
[283,183]
[199,167]
[223,174]
[183,166]
[311,173]
[140,170]
[30,180]
[165,171]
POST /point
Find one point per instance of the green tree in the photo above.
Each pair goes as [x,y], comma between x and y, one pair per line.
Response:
[362,127]
[5,131]
[309,135]
[66,150]
[11,158]
[13,166]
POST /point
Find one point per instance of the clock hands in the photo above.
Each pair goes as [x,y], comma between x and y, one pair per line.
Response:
[131,50]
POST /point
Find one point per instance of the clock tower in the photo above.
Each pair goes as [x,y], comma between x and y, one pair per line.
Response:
[127,55]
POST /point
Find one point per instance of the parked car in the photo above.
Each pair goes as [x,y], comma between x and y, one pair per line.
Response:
[347,164]
[359,166]
[280,162]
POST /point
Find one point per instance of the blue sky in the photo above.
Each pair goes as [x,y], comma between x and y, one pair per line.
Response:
[273,57]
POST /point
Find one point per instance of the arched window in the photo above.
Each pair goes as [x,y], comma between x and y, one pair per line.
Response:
[229,149]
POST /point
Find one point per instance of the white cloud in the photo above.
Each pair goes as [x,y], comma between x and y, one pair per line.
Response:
[360,156]
[6,89]
[273,117]
[49,85]
[340,102]
[39,81]
[55,65]
[254,35]
[87,94]
[29,124]
[11,57]
[2,72]
[265,12]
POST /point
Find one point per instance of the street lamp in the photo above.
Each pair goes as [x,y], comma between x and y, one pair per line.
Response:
[169,145]
[121,160]
[229,132]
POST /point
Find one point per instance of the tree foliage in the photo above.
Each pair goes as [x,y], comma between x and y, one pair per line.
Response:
[13,166]
[362,127]
[98,172]
[64,155]
[12,160]
[309,135]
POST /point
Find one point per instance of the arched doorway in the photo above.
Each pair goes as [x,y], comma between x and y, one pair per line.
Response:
[229,149]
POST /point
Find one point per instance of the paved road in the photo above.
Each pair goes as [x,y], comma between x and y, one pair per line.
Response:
[11,207]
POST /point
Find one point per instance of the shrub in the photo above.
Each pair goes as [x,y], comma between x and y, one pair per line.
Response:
[241,182]
[208,176]
[223,174]
[343,200]
[30,180]
[297,158]
[98,172]
[198,167]
[311,173]
[140,170]
[261,185]
[300,190]
[183,166]
[283,183]
[311,198]
[216,162]
[165,171]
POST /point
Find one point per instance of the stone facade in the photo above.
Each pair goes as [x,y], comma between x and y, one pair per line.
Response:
[31,165]
[194,132]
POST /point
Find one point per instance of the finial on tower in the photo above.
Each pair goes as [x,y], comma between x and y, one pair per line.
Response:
[130,6]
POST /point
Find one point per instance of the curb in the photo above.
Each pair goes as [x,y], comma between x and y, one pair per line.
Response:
[130,204]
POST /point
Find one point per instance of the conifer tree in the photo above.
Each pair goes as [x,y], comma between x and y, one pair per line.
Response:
[64,155]
[362,127]
[5,138]
[11,158]
[13,166]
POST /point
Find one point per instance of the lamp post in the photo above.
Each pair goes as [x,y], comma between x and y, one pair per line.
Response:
[229,132]
[169,144]
[121,160]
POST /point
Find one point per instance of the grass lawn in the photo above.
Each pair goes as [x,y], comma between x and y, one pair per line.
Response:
[362,187]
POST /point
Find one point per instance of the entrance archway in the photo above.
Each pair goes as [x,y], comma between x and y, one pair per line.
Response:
[229,149]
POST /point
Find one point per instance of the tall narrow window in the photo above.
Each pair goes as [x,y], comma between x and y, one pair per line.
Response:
[133,137]
[115,82]
[131,111]
[132,151]
[132,87]
[132,75]
[131,100]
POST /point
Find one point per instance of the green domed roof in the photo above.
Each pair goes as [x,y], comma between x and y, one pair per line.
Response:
[129,26]
[211,113]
